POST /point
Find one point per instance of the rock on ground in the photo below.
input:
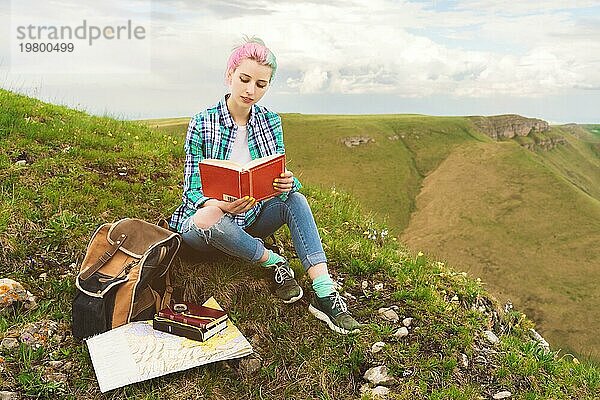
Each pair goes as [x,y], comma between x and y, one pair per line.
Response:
[13,292]
[376,392]
[6,395]
[401,332]
[388,314]
[250,365]
[377,347]
[9,343]
[491,337]
[379,376]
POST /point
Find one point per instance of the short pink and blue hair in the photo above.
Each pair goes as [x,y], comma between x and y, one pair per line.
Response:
[255,49]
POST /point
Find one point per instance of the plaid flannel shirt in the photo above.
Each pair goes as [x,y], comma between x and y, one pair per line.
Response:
[211,134]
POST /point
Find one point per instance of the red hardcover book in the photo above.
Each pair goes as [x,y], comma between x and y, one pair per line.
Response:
[193,314]
[226,180]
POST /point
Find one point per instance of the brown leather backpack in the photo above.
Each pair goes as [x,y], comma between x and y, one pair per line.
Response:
[124,276]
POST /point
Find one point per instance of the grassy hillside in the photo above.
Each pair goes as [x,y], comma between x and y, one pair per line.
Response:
[80,171]
[535,240]
[505,213]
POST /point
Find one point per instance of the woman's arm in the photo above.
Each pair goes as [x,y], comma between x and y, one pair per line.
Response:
[192,185]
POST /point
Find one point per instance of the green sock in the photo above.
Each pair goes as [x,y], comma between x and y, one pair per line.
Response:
[273,259]
[323,285]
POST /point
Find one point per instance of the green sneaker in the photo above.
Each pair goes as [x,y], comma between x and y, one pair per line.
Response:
[287,289]
[333,311]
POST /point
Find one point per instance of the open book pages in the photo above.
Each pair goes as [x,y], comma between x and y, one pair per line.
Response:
[135,352]
[237,167]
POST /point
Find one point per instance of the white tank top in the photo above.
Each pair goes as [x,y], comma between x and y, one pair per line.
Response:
[240,153]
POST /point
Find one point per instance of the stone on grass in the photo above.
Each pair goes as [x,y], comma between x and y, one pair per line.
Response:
[388,314]
[540,340]
[9,343]
[380,392]
[250,365]
[505,394]
[379,287]
[13,292]
[491,337]
[407,322]
[377,347]
[354,141]
[401,332]
[379,376]
[6,395]
[464,360]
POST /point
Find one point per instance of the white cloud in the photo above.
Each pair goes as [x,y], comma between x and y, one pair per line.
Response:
[463,49]
[366,48]
[312,80]
[509,7]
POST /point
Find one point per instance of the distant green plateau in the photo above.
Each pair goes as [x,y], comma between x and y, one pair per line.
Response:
[524,218]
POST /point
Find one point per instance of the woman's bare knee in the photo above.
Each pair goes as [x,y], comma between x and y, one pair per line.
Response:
[207,216]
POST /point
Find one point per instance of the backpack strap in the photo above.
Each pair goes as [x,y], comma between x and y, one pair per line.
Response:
[168,291]
[103,259]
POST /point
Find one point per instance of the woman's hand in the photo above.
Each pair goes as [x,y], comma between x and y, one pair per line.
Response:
[285,182]
[238,206]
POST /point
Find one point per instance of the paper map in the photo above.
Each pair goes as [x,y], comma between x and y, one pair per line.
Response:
[135,352]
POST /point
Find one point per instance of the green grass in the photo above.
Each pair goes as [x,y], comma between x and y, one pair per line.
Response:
[71,183]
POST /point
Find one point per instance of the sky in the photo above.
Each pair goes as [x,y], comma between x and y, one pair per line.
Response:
[473,57]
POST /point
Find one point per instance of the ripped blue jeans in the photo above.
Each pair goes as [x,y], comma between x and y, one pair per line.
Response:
[246,243]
